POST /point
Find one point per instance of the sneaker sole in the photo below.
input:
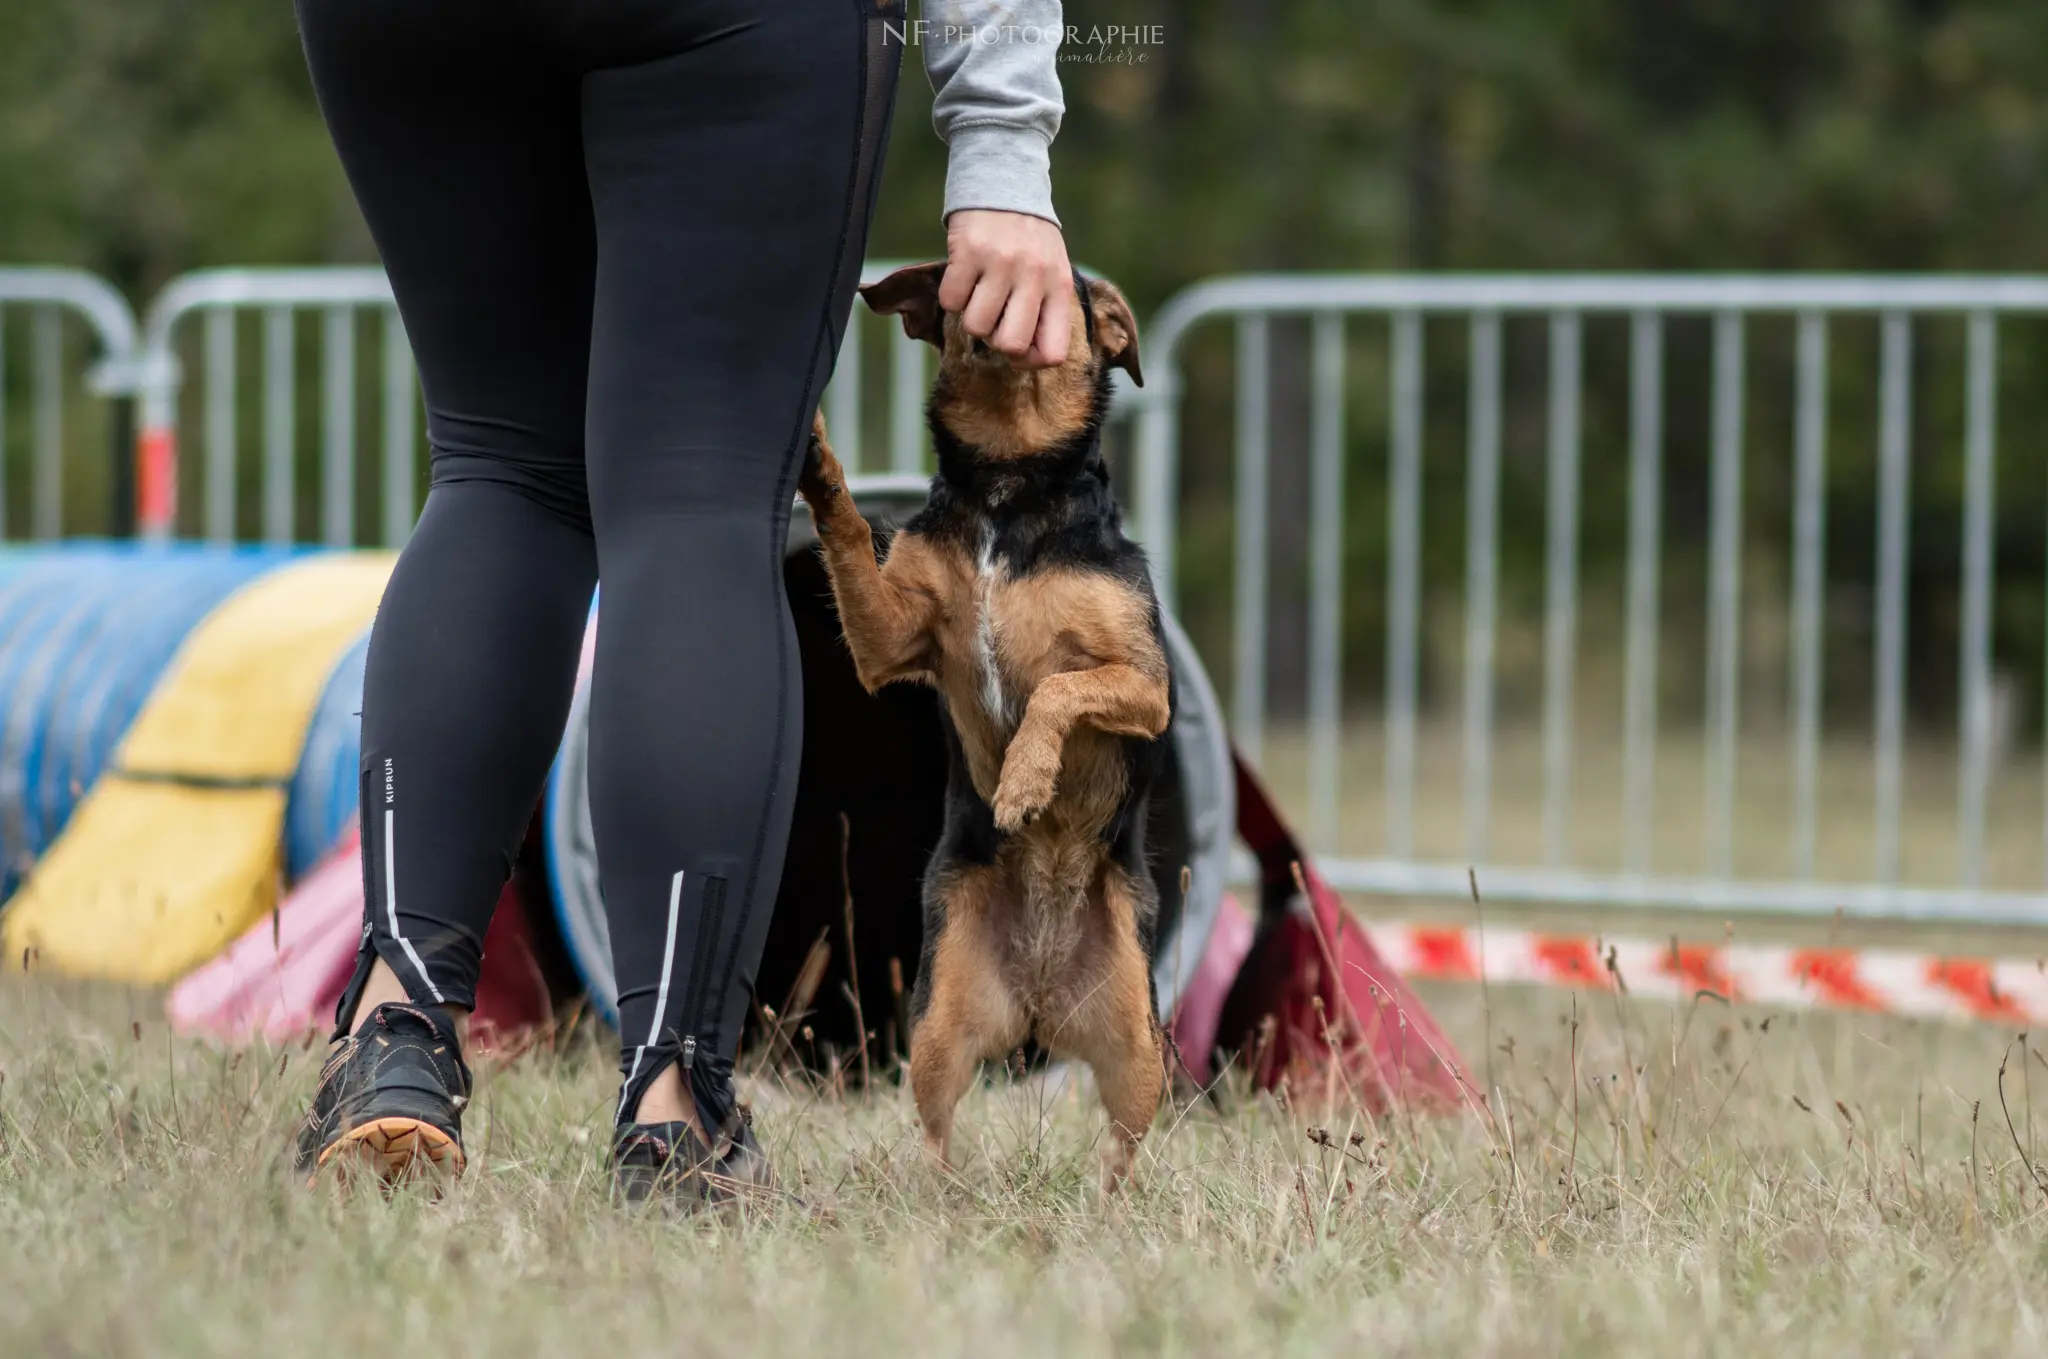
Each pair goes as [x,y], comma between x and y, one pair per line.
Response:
[395,1150]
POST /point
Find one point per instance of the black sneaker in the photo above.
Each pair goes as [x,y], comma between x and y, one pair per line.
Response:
[741,1169]
[669,1161]
[390,1099]
[659,1161]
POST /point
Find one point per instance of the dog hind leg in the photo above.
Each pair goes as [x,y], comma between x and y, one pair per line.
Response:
[1130,1073]
[1115,1030]
[970,1013]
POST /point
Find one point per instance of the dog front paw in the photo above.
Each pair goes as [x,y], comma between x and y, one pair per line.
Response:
[823,480]
[1024,791]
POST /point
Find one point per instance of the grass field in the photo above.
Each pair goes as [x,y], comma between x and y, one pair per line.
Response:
[1708,1184]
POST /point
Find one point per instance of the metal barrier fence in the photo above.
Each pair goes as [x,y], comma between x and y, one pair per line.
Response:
[342,297]
[221,296]
[49,296]
[1328,303]
[144,363]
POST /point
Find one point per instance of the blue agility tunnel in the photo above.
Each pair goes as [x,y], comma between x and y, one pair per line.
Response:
[327,789]
[86,631]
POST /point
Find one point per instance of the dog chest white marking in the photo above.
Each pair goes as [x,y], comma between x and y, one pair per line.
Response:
[994,698]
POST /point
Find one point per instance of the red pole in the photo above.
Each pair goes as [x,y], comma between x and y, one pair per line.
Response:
[156,481]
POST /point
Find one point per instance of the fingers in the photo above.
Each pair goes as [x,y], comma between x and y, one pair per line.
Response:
[1015,309]
[964,266]
[984,310]
[1022,312]
[1055,329]
[1008,279]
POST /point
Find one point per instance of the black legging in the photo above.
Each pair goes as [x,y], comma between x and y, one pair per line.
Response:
[624,237]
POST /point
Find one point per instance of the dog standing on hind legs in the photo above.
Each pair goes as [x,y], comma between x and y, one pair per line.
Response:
[1015,594]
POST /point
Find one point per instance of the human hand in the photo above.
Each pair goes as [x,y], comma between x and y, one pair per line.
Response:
[1008,277]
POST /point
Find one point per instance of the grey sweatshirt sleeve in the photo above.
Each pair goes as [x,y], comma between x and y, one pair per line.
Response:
[994,70]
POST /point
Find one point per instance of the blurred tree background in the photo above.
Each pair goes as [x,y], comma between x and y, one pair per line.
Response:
[140,140]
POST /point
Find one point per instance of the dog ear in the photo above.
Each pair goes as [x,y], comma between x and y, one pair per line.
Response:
[913,294]
[1116,330]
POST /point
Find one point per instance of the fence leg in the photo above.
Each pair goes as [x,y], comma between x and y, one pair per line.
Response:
[156,447]
[121,468]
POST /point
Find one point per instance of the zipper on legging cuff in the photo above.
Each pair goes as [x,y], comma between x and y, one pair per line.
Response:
[711,920]
[689,1057]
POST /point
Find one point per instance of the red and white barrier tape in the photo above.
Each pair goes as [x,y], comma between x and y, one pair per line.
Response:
[2010,991]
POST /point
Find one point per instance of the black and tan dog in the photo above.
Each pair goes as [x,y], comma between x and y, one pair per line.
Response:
[1015,594]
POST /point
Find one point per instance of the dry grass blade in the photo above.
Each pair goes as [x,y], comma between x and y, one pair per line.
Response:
[2033,1175]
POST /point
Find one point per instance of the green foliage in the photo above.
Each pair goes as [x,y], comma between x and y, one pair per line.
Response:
[141,140]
